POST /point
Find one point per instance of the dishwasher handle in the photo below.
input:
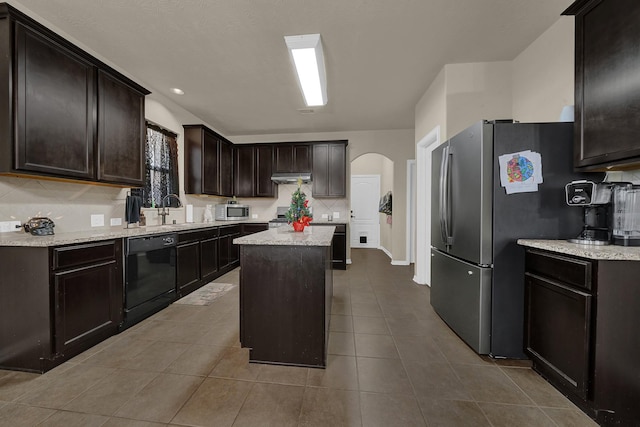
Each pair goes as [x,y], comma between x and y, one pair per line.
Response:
[151,243]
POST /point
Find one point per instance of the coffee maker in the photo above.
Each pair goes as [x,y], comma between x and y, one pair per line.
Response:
[595,199]
[626,214]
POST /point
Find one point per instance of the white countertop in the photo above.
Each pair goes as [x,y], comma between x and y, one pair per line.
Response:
[608,252]
[285,236]
[20,238]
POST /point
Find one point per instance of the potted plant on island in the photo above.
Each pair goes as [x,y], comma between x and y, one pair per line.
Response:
[298,214]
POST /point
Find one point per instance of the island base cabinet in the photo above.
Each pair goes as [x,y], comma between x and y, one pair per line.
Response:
[285,302]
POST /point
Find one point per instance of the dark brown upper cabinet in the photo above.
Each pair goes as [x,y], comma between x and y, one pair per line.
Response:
[208,162]
[264,187]
[294,157]
[244,170]
[252,170]
[121,131]
[329,169]
[54,108]
[64,113]
[607,96]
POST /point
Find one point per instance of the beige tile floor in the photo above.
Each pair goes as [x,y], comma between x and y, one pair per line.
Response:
[392,362]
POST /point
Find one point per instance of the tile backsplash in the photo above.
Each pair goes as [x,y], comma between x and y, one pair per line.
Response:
[70,205]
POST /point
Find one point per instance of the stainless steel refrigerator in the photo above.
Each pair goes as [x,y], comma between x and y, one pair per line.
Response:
[477,268]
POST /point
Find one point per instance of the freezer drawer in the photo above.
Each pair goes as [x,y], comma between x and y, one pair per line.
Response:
[461,295]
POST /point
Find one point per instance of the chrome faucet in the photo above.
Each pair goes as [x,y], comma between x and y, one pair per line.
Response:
[165,210]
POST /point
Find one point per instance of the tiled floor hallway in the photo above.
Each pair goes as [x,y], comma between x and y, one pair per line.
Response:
[392,362]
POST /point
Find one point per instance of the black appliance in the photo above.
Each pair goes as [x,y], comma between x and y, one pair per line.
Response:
[595,200]
[150,276]
[477,268]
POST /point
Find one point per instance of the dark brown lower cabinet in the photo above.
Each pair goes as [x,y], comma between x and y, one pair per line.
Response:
[581,331]
[339,246]
[188,271]
[197,254]
[229,257]
[57,302]
[559,352]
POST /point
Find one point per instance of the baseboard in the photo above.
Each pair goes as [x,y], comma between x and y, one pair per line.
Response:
[405,262]
[383,249]
[415,279]
[348,260]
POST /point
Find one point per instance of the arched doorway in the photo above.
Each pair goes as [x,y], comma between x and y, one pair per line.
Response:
[377,231]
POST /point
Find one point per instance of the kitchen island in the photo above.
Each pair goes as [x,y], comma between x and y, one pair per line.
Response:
[286,285]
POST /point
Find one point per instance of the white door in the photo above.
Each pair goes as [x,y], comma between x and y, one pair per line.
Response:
[365,219]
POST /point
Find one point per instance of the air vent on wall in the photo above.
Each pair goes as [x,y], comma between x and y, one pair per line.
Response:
[306,111]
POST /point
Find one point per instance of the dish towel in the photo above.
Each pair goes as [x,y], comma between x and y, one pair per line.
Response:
[132,209]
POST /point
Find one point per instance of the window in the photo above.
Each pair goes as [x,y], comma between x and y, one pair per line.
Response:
[161,156]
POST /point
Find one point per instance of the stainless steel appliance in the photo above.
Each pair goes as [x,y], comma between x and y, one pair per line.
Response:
[626,214]
[232,212]
[280,219]
[291,177]
[595,200]
[150,276]
[477,268]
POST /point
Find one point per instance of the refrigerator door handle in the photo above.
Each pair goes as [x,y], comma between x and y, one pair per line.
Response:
[445,197]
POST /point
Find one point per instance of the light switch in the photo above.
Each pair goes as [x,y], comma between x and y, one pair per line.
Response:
[336,215]
[116,221]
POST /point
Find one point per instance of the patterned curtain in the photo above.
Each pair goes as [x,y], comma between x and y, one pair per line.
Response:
[161,167]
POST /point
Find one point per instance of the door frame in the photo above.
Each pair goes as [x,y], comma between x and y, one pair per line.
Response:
[424,147]
[411,212]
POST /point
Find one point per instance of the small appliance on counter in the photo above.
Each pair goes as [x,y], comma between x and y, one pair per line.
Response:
[626,215]
[232,212]
[39,226]
[281,219]
[595,199]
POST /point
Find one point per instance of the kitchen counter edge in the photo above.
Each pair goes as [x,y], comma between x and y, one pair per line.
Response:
[285,236]
[608,252]
[16,239]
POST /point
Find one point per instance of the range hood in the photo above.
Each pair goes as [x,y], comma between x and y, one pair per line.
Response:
[291,177]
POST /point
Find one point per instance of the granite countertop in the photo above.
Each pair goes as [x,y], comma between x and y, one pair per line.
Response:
[609,252]
[285,236]
[25,239]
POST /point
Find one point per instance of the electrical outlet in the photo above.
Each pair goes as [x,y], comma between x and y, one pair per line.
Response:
[336,215]
[254,216]
[97,220]
[115,221]
[325,216]
[6,226]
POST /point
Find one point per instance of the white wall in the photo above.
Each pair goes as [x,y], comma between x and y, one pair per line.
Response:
[476,91]
[543,75]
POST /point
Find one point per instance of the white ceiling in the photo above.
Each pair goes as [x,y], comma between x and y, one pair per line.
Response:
[230,58]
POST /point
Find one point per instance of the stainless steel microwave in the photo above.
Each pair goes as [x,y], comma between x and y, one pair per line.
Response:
[231,212]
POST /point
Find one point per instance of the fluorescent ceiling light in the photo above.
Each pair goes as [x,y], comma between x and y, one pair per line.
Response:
[307,56]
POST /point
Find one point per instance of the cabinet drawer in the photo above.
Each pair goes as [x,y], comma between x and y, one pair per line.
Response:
[196,235]
[72,256]
[573,271]
[226,230]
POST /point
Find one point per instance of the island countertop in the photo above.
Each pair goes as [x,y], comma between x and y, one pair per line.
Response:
[608,252]
[285,236]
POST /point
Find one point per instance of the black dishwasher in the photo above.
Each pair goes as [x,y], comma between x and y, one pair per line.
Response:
[150,276]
